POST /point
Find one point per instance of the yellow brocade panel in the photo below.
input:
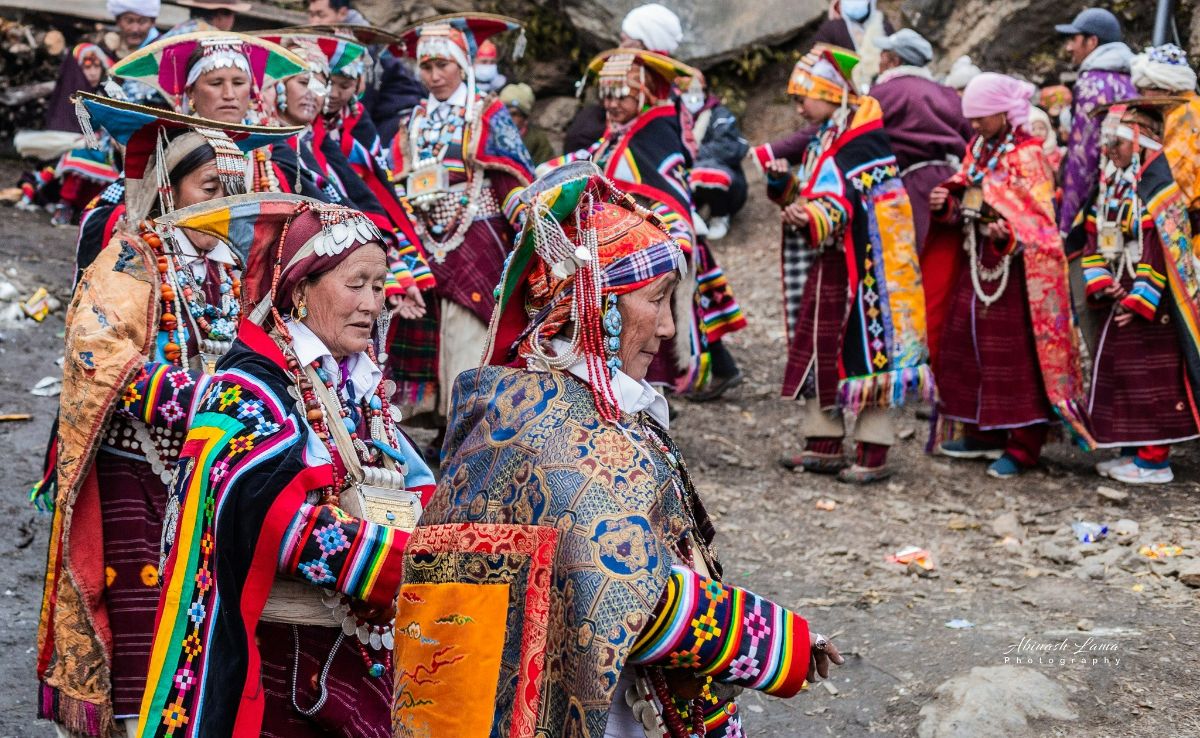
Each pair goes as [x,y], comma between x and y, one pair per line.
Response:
[893,213]
[448,650]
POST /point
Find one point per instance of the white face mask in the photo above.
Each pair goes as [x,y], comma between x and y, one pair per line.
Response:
[485,72]
[856,10]
[693,101]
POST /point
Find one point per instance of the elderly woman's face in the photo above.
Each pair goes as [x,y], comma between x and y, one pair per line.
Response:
[222,95]
[648,321]
[621,110]
[344,302]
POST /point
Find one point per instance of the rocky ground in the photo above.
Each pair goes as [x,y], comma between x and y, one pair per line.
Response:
[1017,630]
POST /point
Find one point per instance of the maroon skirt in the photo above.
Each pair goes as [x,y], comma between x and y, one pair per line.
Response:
[357,705]
[1139,391]
[814,356]
[132,502]
[988,372]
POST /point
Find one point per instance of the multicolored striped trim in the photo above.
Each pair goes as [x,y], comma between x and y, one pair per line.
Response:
[728,633]
[329,548]
[1096,275]
[711,178]
[161,395]
[825,217]
[721,320]
[1147,290]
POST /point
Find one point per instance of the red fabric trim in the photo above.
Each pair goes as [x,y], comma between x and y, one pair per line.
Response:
[643,120]
[257,339]
[941,262]
[258,588]
[476,148]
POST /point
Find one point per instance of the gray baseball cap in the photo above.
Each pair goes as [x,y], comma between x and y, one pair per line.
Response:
[1096,22]
[909,46]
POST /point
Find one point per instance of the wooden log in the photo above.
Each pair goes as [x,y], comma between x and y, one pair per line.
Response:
[15,96]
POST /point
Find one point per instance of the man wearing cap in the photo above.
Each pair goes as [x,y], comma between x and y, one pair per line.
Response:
[1093,41]
[518,98]
[1163,71]
[922,118]
[208,15]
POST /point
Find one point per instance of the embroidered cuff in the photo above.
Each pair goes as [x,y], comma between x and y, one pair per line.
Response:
[1096,275]
[161,395]
[1147,290]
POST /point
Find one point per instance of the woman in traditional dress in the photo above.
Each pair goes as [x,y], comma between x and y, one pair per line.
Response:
[155,295]
[559,571]
[643,151]
[216,76]
[1004,348]
[294,495]
[456,159]
[1137,265]
[857,326]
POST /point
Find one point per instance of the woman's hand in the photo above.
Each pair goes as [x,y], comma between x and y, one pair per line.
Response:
[998,231]
[1123,316]
[777,166]
[796,215]
[1116,291]
[937,199]
[822,653]
[410,305]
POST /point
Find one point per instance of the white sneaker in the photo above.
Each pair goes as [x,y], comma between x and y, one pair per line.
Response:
[1104,467]
[718,227]
[1131,473]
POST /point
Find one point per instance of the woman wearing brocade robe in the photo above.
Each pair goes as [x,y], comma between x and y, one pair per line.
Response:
[294,495]
[1005,356]
[559,568]
[154,295]
[456,159]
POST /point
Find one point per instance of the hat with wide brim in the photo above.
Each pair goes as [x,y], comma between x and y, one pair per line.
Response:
[235,7]
[1159,105]
[366,35]
[664,66]
[340,52]
[164,64]
[475,27]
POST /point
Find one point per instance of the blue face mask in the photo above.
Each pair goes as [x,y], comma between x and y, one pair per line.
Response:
[856,10]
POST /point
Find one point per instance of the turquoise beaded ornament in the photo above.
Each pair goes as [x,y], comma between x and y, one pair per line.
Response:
[612,331]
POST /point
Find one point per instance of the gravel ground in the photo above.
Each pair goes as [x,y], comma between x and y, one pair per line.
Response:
[1006,559]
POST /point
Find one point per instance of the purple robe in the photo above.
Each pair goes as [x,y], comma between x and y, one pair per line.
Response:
[925,123]
[1081,169]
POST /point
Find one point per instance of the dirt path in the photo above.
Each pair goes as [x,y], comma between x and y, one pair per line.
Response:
[1040,585]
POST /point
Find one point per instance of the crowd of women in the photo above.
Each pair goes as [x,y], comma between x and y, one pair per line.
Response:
[245,542]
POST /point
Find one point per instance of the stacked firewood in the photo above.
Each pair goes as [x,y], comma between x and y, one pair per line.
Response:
[29,65]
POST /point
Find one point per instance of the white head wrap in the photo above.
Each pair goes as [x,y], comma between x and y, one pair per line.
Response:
[963,71]
[147,8]
[1050,143]
[1163,68]
[655,26]
[218,53]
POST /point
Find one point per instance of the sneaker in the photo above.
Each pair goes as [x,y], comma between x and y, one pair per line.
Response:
[1005,467]
[63,214]
[1131,473]
[1104,467]
[718,227]
[815,462]
[969,448]
[857,474]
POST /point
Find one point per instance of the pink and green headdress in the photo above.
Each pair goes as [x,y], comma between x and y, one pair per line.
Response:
[583,243]
[173,64]
[155,140]
[344,54]
[826,73]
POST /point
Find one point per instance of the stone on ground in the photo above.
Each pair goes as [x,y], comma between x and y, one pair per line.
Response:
[990,701]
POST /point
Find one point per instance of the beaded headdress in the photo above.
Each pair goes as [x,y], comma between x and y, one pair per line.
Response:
[224,52]
[826,73]
[583,241]
[156,140]
[623,72]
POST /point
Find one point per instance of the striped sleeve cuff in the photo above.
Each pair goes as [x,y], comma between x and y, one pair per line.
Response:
[1096,274]
[825,218]
[728,633]
[1147,290]
[328,548]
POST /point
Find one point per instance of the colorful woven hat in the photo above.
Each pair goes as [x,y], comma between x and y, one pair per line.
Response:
[623,72]
[825,73]
[582,240]
[283,237]
[167,65]
[441,35]
[342,55]
[144,132]
[346,63]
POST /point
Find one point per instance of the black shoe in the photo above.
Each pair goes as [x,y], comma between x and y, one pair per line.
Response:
[717,386]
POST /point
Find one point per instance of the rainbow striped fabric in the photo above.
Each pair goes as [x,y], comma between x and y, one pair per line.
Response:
[728,633]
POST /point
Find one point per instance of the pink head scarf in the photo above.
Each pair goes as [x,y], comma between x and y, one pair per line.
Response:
[992,93]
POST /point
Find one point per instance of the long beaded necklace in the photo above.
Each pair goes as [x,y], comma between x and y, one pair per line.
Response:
[975,177]
[428,147]
[1121,213]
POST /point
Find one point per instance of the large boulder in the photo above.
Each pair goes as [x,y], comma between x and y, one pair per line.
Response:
[992,701]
